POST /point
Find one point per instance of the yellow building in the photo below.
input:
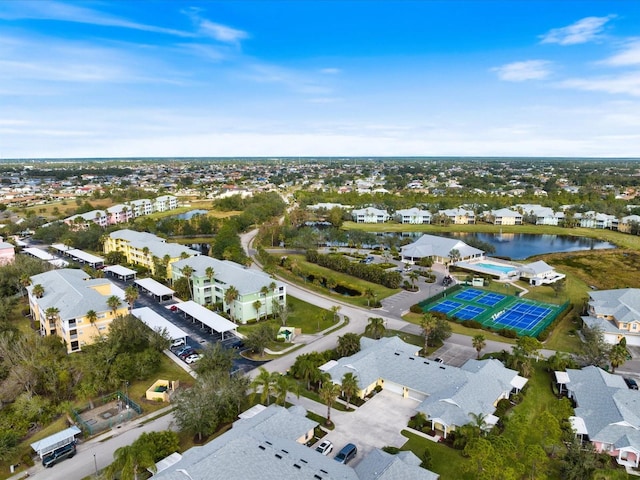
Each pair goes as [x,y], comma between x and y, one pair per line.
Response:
[61,302]
[147,250]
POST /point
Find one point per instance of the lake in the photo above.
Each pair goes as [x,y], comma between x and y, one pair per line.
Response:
[191,213]
[519,246]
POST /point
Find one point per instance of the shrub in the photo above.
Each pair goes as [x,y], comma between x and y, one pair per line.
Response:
[507,333]
[415,308]
[472,324]
[543,335]
[503,406]
[391,450]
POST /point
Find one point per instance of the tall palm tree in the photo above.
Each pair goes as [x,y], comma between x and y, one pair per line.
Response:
[617,356]
[257,304]
[375,328]
[413,276]
[52,314]
[428,325]
[230,296]
[335,309]
[370,294]
[38,290]
[350,386]
[187,271]
[92,316]
[479,342]
[25,281]
[265,381]
[329,392]
[284,385]
[114,302]
[129,460]
[131,294]
[210,273]
[264,291]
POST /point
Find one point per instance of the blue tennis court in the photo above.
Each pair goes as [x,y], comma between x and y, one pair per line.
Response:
[468,294]
[521,316]
[446,306]
[491,299]
[468,312]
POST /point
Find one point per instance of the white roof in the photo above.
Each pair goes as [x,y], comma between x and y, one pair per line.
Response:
[120,270]
[167,462]
[38,253]
[206,316]
[60,247]
[85,256]
[578,425]
[519,382]
[53,441]
[562,378]
[154,321]
[154,287]
[253,411]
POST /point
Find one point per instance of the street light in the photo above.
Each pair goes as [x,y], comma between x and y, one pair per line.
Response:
[95,464]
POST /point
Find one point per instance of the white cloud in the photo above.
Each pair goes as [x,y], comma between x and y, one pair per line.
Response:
[628,83]
[222,33]
[629,55]
[330,71]
[582,31]
[522,71]
[65,12]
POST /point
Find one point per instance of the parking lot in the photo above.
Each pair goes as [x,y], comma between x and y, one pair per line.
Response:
[454,355]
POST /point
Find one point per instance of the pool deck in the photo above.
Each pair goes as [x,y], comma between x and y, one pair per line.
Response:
[514,274]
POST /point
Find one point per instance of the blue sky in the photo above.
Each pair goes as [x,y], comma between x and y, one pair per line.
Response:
[319,78]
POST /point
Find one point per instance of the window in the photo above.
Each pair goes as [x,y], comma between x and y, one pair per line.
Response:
[75,346]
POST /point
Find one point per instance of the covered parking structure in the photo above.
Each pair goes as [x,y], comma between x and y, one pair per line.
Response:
[158,290]
[85,258]
[156,321]
[57,440]
[120,272]
[208,319]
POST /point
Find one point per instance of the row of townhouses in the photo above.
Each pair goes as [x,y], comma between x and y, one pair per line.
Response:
[124,212]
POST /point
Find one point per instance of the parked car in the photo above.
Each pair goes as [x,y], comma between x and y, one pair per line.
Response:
[184,354]
[631,383]
[178,342]
[325,447]
[438,360]
[347,453]
[59,454]
[193,358]
[173,308]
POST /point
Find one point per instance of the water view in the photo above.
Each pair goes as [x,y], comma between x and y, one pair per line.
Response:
[191,213]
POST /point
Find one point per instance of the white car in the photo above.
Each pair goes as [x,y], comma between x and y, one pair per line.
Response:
[325,447]
[192,358]
[178,342]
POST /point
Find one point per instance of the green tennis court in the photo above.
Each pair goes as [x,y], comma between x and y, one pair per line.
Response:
[495,310]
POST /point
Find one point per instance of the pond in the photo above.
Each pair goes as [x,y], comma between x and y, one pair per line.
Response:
[191,213]
[519,246]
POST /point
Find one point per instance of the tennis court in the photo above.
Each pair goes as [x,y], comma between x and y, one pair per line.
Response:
[497,311]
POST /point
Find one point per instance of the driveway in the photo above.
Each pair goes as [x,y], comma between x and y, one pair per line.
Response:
[454,355]
[374,425]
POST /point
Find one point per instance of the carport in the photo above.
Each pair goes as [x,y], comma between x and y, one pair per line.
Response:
[206,317]
[157,322]
[120,272]
[156,289]
[57,440]
[86,258]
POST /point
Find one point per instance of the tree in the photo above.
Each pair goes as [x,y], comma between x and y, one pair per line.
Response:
[25,281]
[579,462]
[428,325]
[215,359]
[335,309]
[258,339]
[265,381]
[264,291]
[284,385]
[349,386]
[329,392]
[129,461]
[256,305]
[131,294]
[560,361]
[114,302]
[230,296]
[187,272]
[375,328]
[92,316]
[38,290]
[559,286]
[413,276]
[478,342]
[370,294]
[348,344]
[617,356]
[280,310]
[595,350]
[454,255]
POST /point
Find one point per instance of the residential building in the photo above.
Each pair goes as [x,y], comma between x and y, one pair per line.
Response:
[607,412]
[596,220]
[447,395]
[459,216]
[61,306]
[7,253]
[268,443]
[141,207]
[146,249]
[329,206]
[164,203]
[413,216]
[628,224]
[504,216]
[119,214]
[84,220]
[439,249]
[255,288]
[616,313]
[540,215]
[369,215]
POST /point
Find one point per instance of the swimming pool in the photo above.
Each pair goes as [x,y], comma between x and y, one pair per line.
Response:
[497,268]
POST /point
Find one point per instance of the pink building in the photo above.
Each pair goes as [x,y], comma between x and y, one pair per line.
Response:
[7,253]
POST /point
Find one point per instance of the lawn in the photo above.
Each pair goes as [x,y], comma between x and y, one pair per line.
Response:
[341,278]
[445,461]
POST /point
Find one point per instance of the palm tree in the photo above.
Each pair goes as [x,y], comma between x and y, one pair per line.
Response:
[329,392]
[129,460]
[454,255]
[209,272]
[413,276]
[335,309]
[230,296]
[617,356]
[187,271]
[38,290]
[375,328]
[284,385]
[370,294]
[25,281]
[478,342]
[428,325]
[257,304]
[264,291]
[114,302]
[52,314]
[350,386]
[92,316]
[265,382]
[131,295]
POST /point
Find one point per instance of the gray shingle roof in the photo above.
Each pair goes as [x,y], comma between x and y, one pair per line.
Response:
[380,465]
[623,304]
[428,245]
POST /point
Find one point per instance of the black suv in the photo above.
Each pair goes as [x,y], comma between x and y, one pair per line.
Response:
[631,383]
[59,454]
